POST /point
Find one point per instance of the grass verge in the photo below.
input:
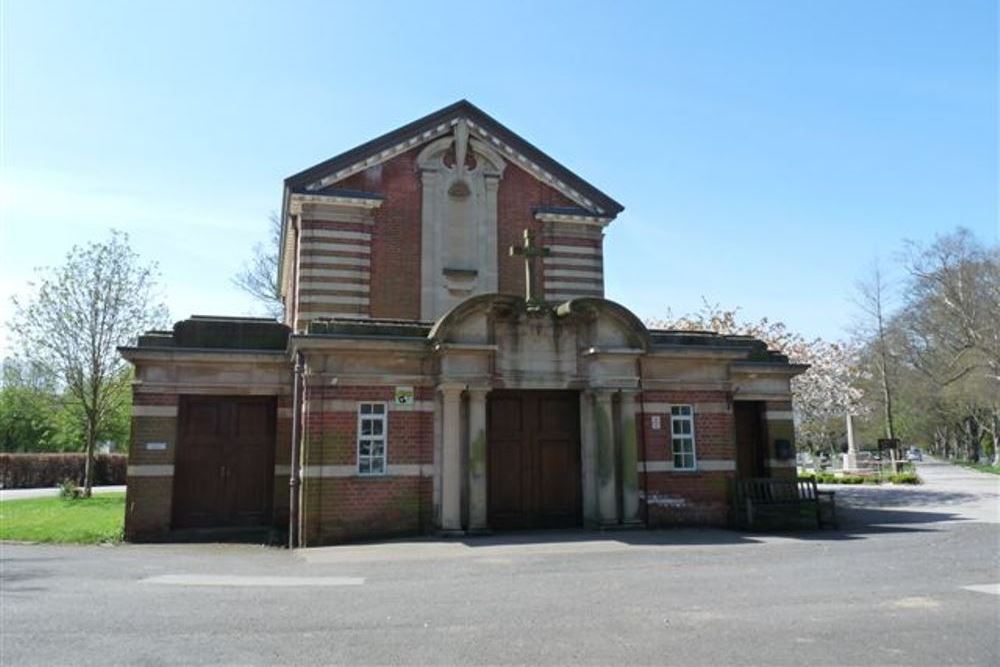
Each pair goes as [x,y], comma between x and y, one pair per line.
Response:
[85,521]
[981,467]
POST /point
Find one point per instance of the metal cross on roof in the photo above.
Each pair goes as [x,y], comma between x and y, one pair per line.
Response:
[530,252]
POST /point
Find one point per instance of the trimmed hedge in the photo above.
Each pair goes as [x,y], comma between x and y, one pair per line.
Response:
[32,471]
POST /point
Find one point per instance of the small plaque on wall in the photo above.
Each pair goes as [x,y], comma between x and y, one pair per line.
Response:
[404,398]
[156,446]
[656,422]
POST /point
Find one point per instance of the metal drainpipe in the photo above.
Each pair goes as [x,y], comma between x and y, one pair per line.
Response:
[642,430]
[293,479]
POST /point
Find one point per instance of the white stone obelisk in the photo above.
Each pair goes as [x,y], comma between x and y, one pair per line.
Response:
[851,458]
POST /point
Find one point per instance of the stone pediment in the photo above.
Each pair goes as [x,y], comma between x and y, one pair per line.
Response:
[482,128]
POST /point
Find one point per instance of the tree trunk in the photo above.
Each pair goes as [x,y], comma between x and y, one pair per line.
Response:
[995,436]
[974,439]
[88,468]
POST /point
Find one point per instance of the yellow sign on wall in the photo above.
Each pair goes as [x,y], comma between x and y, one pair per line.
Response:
[404,398]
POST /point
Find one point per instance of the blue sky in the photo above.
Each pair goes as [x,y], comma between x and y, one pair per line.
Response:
[766,152]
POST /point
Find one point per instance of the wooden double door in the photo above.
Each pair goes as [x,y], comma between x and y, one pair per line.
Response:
[224,467]
[533,462]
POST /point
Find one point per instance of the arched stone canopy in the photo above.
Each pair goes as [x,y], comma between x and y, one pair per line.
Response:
[636,333]
[497,340]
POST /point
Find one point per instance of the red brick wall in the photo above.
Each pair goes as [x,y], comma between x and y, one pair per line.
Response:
[339,509]
[682,497]
[686,498]
[395,270]
[346,509]
[713,431]
[147,508]
[396,240]
[331,435]
[149,500]
[282,456]
[313,257]
[153,399]
[518,196]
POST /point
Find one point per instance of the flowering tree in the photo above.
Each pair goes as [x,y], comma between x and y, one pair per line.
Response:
[823,394]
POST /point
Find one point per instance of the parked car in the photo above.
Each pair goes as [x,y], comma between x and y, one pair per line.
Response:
[914,454]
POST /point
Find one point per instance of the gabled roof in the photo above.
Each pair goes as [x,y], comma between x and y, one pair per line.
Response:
[511,146]
[322,178]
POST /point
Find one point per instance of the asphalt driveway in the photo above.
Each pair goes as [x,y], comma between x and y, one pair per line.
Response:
[912,577]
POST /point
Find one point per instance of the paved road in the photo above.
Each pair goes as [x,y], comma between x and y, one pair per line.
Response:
[50,492]
[889,588]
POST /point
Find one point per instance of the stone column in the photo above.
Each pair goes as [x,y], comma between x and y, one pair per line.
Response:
[451,458]
[628,451]
[607,505]
[477,459]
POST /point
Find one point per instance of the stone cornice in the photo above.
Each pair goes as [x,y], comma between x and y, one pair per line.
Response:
[203,355]
[696,352]
[484,348]
[297,200]
[574,218]
[612,351]
[754,368]
[376,344]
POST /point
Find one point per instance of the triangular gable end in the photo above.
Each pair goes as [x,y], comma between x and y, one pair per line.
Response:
[509,145]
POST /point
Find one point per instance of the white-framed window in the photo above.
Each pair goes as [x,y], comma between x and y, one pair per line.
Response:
[373,427]
[682,437]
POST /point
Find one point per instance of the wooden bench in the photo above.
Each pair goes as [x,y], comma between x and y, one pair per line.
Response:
[783,503]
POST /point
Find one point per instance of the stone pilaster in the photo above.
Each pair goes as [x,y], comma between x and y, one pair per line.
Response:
[451,459]
[629,459]
[477,460]
[607,502]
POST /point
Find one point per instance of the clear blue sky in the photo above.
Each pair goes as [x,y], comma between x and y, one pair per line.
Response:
[766,152]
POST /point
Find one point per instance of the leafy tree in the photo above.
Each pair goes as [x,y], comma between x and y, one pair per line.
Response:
[259,275]
[77,317]
[27,405]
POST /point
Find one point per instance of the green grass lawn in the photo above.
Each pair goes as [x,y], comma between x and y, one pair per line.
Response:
[981,467]
[86,521]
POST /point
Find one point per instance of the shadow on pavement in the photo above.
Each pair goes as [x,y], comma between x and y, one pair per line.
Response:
[856,521]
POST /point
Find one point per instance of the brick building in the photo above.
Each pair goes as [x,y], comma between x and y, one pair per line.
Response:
[448,362]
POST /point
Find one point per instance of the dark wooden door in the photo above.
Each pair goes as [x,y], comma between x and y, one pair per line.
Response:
[533,446]
[224,468]
[751,446]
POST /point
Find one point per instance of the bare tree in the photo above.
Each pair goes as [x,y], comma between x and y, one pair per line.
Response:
[77,317]
[872,296]
[954,330]
[259,275]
